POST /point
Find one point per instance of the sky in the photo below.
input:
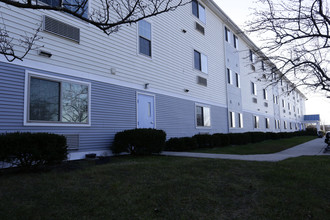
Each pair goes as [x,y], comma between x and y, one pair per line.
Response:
[239,11]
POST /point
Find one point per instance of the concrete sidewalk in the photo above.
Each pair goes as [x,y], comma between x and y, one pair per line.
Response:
[314,147]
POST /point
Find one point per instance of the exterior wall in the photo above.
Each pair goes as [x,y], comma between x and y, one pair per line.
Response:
[117,72]
[113,109]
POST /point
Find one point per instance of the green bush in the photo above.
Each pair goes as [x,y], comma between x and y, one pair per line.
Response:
[139,141]
[204,140]
[220,140]
[181,144]
[239,138]
[32,150]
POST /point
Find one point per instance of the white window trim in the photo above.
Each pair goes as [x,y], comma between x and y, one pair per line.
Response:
[232,122]
[238,80]
[229,76]
[204,106]
[254,89]
[267,122]
[201,59]
[29,74]
[240,120]
[138,41]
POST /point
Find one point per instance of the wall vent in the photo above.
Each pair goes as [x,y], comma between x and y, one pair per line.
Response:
[283,111]
[201,81]
[62,29]
[254,100]
[72,140]
[266,104]
[200,28]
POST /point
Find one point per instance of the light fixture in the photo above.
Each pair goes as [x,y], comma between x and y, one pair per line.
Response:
[44,53]
[146,86]
[186,90]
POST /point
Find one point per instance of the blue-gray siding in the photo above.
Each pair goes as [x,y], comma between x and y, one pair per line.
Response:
[113,109]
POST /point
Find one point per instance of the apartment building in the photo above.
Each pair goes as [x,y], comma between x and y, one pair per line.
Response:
[194,73]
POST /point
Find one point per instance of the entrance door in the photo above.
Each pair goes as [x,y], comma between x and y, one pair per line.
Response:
[145,111]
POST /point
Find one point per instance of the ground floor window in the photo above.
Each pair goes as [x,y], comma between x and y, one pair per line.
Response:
[203,116]
[56,100]
[256,121]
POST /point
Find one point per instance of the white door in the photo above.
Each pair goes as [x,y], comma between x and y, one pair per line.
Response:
[145,111]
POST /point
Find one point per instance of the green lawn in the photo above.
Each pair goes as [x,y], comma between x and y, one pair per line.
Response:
[265,147]
[160,187]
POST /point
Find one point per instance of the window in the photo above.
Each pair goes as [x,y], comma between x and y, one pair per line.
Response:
[265,94]
[144,38]
[238,83]
[285,126]
[198,10]
[203,116]
[253,88]
[283,103]
[240,120]
[235,41]
[232,119]
[278,124]
[262,65]
[290,125]
[267,123]
[229,75]
[72,5]
[275,122]
[227,34]
[200,61]
[256,121]
[57,101]
[289,107]
[252,58]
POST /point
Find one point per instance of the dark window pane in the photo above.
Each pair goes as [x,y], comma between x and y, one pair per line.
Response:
[195,8]
[197,60]
[74,103]
[145,46]
[51,2]
[44,100]
[199,116]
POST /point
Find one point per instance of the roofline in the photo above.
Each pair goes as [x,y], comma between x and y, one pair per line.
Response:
[235,28]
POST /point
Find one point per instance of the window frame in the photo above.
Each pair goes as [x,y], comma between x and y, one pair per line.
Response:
[229,76]
[203,62]
[235,41]
[265,94]
[138,39]
[87,5]
[28,122]
[267,123]
[232,122]
[196,123]
[256,122]
[227,35]
[240,120]
[238,80]
[198,15]
[254,89]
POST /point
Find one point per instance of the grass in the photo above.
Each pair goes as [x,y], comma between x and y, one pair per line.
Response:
[265,147]
[160,187]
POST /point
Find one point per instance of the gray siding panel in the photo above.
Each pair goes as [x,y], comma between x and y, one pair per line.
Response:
[113,109]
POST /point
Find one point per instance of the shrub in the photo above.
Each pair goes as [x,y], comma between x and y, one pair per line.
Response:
[239,138]
[204,140]
[32,150]
[220,140]
[139,141]
[181,144]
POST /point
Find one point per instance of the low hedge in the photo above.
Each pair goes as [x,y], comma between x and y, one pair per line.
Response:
[139,141]
[221,140]
[32,150]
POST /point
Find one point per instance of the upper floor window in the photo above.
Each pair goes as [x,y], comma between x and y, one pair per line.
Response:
[198,10]
[235,41]
[227,34]
[251,56]
[263,65]
[81,6]
[229,76]
[144,38]
[57,101]
[200,61]
[203,116]
[265,94]
[238,83]
[253,88]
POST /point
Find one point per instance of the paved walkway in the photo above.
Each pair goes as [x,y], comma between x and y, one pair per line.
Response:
[314,147]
